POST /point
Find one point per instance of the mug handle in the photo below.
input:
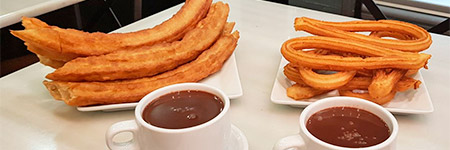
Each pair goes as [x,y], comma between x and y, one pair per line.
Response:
[293,141]
[119,127]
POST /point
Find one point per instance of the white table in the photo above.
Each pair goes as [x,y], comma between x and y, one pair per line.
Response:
[31,119]
[435,7]
[11,11]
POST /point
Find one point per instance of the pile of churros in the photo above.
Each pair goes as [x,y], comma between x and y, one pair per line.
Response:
[100,68]
[373,66]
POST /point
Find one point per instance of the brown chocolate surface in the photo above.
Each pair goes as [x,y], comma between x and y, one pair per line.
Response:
[182,109]
[348,127]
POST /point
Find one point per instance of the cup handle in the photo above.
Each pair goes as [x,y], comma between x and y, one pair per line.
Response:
[119,127]
[293,141]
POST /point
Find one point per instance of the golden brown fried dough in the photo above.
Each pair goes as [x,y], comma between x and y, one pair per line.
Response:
[33,23]
[94,93]
[50,62]
[149,61]
[299,92]
[63,42]
[292,50]
[325,81]
[383,82]
[291,72]
[378,63]
[362,83]
[345,30]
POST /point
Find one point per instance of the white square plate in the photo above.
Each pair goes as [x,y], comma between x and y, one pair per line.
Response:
[409,102]
[227,79]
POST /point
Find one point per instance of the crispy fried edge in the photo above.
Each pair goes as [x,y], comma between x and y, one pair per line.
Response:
[67,41]
[150,61]
[92,93]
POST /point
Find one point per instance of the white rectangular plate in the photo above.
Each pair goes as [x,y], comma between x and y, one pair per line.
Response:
[409,102]
[227,79]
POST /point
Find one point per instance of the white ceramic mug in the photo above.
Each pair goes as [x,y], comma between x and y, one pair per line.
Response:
[305,140]
[213,134]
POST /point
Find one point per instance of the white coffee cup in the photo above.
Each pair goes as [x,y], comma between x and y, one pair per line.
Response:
[305,140]
[213,134]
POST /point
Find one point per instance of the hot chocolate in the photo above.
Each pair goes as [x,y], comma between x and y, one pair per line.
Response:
[183,109]
[348,127]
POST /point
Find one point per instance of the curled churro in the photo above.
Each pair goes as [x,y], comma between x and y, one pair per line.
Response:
[383,82]
[325,81]
[292,50]
[371,63]
[345,30]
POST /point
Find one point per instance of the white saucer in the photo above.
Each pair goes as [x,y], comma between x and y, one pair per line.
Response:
[238,140]
[409,102]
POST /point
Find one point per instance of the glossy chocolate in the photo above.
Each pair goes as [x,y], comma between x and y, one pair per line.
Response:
[348,127]
[183,109]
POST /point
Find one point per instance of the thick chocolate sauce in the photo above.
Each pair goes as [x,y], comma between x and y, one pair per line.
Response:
[348,127]
[182,109]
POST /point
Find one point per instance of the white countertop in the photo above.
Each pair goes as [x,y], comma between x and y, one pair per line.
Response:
[433,7]
[31,119]
[12,10]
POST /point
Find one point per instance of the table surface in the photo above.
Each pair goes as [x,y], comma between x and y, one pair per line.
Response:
[31,119]
[11,11]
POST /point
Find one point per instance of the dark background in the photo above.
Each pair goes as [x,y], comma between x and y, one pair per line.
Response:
[95,15]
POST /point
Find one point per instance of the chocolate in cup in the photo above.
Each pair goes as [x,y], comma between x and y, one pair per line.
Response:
[304,139]
[213,134]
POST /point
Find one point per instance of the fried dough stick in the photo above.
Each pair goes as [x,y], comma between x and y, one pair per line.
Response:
[376,67]
[405,83]
[307,77]
[362,83]
[419,39]
[147,61]
[62,44]
[380,57]
[93,93]
[299,91]
[291,72]
[384,82]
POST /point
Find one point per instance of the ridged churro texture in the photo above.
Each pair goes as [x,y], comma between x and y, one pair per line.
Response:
[293,51]
[99,68]
[420,38]
[147,61]
[57,44]
[367,66]
[95,93]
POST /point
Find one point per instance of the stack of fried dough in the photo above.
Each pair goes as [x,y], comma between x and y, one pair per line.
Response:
[373,67]
[99,68]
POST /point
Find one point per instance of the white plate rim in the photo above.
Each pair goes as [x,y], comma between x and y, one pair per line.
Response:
[239,138]
[399,111]
[236,83]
